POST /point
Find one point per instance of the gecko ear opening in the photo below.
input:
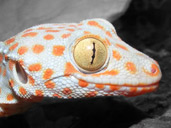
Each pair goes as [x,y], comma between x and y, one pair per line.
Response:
[20,73]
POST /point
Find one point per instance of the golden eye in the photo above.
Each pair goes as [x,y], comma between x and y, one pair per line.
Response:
[90,54]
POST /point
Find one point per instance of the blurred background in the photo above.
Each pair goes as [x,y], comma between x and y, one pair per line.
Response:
[143,24]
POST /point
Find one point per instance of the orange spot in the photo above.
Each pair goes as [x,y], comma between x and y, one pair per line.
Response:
[39,93]
[13,46]
[22,50]
[38,48]
[49,37]
[71,30]
[95,24]
[11,83]
[10,97]
[109,34]
[108,42]
[52,30]
[82,83]
[116,55]
[114,88]
[87,32]
[50,84]
[10,41]
[91,94]
[31,80]
[1,58]
[122,47]
[67,91]
[35,67]
[4,73]
[69,69]
[57,95]
[112,73]
[72,25]
[154,70]
[30,34]
[44,28]
[22,91]
[131,67]
[47,73]
[58,50]
[11,64]
[66,35]
[100,86]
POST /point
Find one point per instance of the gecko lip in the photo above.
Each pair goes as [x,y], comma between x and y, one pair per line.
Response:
[125,89]
[143,85]
[132,90]
[153,85]
[118,84]
[138,85]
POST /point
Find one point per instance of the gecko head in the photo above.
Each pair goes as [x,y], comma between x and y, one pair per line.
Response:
[90,61]
[106,65]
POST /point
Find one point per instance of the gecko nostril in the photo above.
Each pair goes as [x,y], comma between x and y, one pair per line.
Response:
[21,74]
[153,70]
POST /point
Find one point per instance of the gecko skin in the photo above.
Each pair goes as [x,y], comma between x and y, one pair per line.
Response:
[71,60]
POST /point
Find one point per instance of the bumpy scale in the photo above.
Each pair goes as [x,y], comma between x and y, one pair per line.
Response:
[71,60]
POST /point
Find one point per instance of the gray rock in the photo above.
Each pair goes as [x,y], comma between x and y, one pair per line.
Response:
[17,15]
[163,121]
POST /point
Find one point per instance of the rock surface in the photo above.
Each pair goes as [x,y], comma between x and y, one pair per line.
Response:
[163,121]
[17,15]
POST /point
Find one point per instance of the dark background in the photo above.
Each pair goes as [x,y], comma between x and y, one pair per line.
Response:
[143,24]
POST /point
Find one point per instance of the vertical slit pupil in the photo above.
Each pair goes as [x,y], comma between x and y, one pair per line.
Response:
[22,76]
[94,51]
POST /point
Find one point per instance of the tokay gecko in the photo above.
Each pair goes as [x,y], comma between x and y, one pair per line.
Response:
[71,60]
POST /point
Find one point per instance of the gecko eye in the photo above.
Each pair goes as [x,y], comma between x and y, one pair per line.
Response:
[20,73]
[90,54]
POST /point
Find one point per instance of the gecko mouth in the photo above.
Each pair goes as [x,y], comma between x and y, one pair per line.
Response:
[122,89]
[153,85]
[130,90]
[138,85]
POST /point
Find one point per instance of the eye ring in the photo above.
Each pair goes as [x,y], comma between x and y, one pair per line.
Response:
[90,53]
